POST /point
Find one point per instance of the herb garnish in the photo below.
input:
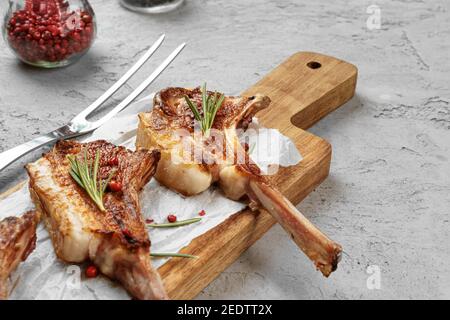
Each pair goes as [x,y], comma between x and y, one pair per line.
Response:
[210,105]
[174,224]
[176,255]
[85,173]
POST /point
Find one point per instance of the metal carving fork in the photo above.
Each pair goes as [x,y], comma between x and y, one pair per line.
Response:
[79,125]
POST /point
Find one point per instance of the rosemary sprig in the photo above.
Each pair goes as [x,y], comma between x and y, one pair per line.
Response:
[251,148]
[174,224]
[85,173]
[176,255]
[210,105]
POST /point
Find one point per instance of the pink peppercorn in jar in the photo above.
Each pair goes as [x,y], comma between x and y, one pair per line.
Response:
[49,33]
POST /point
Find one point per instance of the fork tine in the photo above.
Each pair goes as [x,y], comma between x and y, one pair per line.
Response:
[79,126]
[116,86]
[130,98]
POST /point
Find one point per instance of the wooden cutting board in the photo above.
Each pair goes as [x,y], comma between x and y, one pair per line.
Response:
[304,89]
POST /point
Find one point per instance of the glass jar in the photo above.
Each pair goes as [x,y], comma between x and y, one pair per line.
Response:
[152,6]
[49,33]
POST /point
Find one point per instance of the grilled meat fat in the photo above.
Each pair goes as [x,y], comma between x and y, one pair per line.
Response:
[17,241]
[170,127]
[116,241]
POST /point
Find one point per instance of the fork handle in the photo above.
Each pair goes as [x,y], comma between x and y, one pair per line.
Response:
[9,156]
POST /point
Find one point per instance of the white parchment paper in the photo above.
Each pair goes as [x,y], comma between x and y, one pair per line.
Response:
[43,276]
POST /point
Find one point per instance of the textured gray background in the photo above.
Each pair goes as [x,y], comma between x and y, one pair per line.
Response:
[387,198]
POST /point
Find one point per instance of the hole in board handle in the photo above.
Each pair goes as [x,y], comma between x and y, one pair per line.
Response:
[314,65]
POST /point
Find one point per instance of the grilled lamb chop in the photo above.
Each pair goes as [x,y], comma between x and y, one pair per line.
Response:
[223,160]
[116,240]
[17,241]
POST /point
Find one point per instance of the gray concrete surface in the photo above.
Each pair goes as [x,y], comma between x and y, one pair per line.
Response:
[388,196]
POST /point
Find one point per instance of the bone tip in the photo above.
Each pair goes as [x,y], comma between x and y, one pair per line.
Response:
[330,267]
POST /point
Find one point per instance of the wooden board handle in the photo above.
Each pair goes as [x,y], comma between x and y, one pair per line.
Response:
[304,89]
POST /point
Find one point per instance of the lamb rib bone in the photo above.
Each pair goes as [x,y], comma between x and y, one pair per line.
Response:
[116,241]
[221,161]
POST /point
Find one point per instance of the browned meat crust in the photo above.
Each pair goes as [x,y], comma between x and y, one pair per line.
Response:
[17,241]
[224,160]
[116,240]
[170,114]
[134,170]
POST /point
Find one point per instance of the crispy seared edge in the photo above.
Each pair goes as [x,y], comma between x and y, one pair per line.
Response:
[17,241]
[117,235]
